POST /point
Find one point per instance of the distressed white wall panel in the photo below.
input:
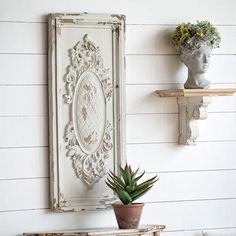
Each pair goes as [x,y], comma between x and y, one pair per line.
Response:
[143,99]
[23,131]
[151,128]
[24,194]
[174,157]
[24,163]
[23,101]
[156,39]
[168,69]
[140,12]
[23,37]
[45,220]
[185,186]
[192,214]
[23,69]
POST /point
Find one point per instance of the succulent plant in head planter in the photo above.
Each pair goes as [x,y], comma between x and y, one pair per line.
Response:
[128,190]
[195,43]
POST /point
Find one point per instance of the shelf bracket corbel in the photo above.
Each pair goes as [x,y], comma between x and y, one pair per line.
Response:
[192,104]
[191,109]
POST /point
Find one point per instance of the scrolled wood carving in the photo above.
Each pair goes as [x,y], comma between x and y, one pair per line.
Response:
[191,109]
[88,134]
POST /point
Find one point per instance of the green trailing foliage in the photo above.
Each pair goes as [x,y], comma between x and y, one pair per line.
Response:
[126,186]
[189,36]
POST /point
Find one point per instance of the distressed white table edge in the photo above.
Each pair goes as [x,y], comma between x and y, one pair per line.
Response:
[142,230]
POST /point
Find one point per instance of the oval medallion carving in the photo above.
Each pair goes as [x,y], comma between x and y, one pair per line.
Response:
[89,109]
[88,134]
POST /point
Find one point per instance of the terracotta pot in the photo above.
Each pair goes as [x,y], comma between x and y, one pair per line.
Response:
[128,216]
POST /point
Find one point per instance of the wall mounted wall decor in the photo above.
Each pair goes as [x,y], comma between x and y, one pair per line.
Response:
[195,43]
[86,112]
[192,104]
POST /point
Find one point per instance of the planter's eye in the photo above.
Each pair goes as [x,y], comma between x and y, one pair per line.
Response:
[198,54]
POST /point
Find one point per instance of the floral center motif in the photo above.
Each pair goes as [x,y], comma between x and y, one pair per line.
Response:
[88,133]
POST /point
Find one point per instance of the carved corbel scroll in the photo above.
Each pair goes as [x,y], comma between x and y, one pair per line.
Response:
[191,109]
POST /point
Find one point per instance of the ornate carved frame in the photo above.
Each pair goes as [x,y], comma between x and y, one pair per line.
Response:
[84,92]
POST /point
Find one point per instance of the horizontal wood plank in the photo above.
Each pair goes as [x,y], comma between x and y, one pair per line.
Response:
[32,101]
[23,101]
[182,186]
[214,214]
[170,157]
[24,163]
[31,38]
[144,39]
[168,69]
[145,128]
[222,12]
[141,69]
[156,39]
[185,186]
[23,69]
[24,194]
[23,131]
[191,215]
[151,128]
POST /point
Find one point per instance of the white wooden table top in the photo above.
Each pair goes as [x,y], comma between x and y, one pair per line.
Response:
[103,231]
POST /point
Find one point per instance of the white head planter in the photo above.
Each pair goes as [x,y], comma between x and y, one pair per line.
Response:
[195,43]
[197,62]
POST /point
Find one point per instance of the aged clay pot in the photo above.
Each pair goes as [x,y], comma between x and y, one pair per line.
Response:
[128,216]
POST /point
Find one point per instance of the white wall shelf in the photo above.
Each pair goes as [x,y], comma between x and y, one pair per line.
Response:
[193,105]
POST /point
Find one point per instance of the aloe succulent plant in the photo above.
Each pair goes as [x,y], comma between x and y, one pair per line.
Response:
[126,186]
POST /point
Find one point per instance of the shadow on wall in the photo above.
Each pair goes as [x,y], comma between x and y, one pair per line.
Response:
[172,64]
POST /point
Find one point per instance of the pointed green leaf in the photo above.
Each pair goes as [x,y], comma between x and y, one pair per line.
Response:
[124,196]
[139,177]
[114,177]
[110,186]
[140,194]
[134,173]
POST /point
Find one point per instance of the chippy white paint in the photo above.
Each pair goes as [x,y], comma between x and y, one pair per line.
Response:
[86,77]
[191,110]
[146,230]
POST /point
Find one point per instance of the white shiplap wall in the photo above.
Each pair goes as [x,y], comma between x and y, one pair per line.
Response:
[196,190]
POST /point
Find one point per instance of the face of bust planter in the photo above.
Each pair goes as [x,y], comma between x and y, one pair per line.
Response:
[197,60]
